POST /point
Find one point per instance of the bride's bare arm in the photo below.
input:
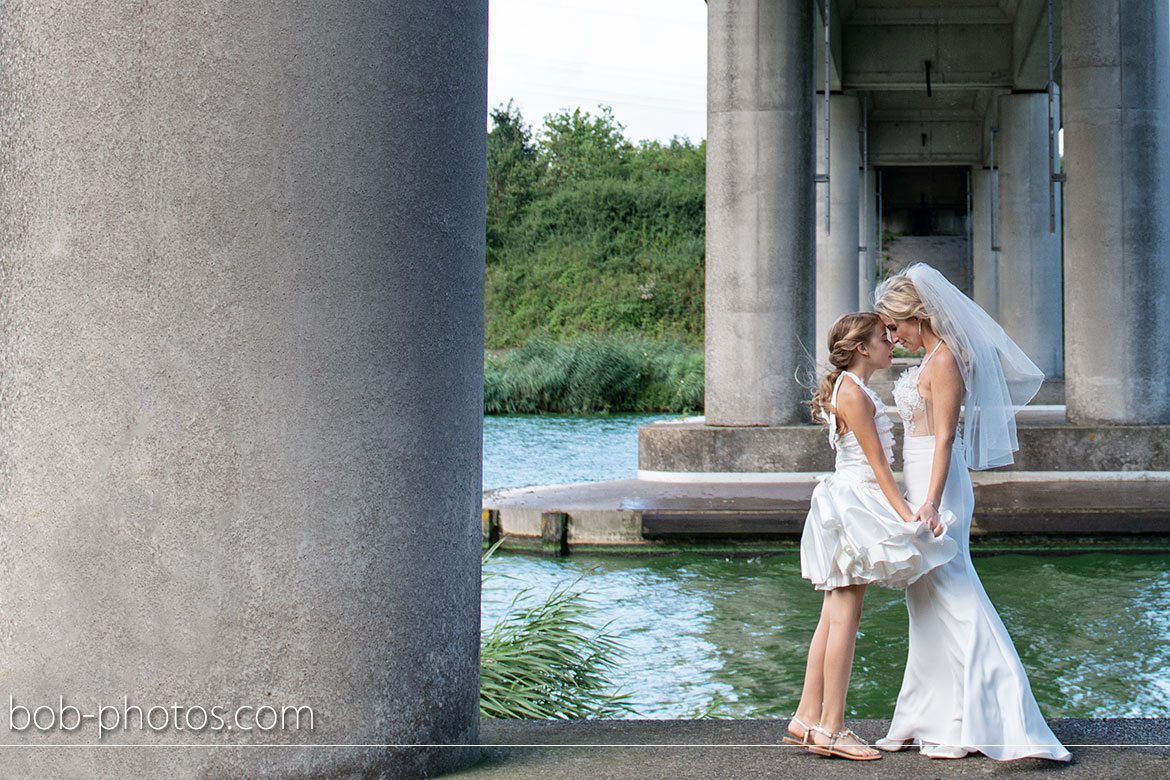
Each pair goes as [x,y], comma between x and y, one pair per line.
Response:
[857,411]
[944,388]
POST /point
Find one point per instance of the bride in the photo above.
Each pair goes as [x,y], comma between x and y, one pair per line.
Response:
[964,689]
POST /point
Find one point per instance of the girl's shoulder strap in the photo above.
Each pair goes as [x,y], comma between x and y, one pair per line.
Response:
[831,412]
[860,383]
[837,386]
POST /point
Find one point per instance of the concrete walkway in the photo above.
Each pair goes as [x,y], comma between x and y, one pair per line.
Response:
[1133,749]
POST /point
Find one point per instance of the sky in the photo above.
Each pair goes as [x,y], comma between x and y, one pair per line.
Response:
[647,59]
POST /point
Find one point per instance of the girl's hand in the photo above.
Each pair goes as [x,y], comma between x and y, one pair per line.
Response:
[928,514]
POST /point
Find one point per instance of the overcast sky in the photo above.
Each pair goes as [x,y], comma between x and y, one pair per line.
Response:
[647,59]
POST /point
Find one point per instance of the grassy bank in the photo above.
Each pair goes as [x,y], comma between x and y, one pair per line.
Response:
[595,374]
[594,282]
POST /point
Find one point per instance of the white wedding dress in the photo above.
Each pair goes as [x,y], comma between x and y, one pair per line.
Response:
[852,536]
[964,688]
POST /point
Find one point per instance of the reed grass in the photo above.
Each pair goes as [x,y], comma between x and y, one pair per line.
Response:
[545,661]
[595,374]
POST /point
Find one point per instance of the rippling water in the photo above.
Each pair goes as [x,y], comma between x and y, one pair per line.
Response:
[557,449]
[1091,629]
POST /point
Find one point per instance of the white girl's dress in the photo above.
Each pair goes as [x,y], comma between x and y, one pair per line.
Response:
[852,536]
[964,685]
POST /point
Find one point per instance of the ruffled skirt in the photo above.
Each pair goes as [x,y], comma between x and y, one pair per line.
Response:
[852,536]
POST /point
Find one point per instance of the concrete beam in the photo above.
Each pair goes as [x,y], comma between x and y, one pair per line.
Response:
[887,12]
[888,56]
[925,143]
[1030,43]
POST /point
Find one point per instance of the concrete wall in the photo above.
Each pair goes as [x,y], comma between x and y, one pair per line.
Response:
[1116,94]
[760,253]
[240,377]
[689,447]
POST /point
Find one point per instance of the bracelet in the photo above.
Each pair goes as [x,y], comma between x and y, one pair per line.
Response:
[933,505]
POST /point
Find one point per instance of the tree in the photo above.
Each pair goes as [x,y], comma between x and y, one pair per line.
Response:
[577,146]
[512,172]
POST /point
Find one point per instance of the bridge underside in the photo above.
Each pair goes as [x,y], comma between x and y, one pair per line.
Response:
[943,138]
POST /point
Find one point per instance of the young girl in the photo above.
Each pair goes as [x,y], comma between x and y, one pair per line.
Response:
[859,531]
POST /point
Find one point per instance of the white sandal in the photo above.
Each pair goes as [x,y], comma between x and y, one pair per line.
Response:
[833,750]
[790,740]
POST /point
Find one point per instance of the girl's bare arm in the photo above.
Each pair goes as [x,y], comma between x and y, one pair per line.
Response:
[857,411]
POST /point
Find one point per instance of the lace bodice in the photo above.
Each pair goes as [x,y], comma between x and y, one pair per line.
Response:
[912,407]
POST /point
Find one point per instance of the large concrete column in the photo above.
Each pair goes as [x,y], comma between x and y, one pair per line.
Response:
[867,224]
[985,285]
[760,253]
[1117,210]
[837,261]
[1030,290]
[235,237]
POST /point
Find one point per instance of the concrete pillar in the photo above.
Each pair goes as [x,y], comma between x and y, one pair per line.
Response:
[235,237]
[1030,290]
[1117,210]
[760,292]
[837,262]
[867,260]
[985,285]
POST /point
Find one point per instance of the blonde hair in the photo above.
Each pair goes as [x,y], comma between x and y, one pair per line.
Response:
[848,333]
[898,299]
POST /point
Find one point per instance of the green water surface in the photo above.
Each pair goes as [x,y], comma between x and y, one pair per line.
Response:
[1091,629]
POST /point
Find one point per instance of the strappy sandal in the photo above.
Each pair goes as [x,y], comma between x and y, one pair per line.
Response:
[833,750]
[790,740]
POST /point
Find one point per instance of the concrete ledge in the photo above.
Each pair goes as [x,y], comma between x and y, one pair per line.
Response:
[1040,510]
[697,447]
[1131,748]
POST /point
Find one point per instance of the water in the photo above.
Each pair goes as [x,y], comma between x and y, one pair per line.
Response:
[523,450]
[1090,629]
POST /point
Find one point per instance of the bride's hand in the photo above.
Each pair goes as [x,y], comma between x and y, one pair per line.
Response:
[929,515]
